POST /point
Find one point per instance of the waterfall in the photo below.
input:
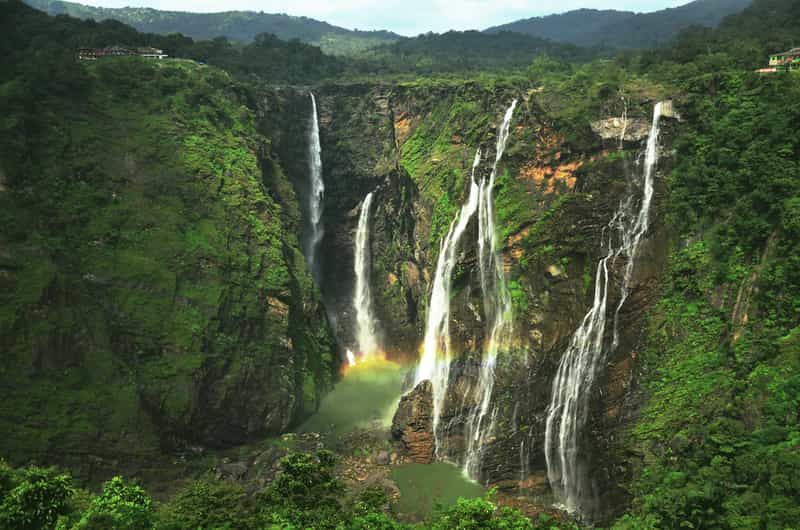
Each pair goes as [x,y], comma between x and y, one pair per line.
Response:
[568,409]
[436,356]
[497,307]
[316,191]
[362,299]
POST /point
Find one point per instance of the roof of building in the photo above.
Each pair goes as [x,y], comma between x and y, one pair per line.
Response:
[791,53]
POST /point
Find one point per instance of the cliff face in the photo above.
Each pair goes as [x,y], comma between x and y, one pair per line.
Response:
[153,292]
[558,186]
[150,351]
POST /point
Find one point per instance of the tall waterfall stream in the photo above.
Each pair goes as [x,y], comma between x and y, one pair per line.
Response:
[569,405]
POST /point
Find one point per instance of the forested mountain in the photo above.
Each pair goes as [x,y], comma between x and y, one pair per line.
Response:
[624,29]
[549,290]
[240,26]
[466,51]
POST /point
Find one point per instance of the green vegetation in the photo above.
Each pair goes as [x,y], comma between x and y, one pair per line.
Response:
[153,295]
[146,270]
[237,26]
[305,494]
[625,29]
[719,432]
[466,51]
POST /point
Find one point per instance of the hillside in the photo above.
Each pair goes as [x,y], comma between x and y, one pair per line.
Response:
[155,235]
[580,279]
[624,29]
[240,26]
[466,52]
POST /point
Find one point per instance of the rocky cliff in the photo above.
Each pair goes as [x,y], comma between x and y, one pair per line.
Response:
[154,296]
[558,186]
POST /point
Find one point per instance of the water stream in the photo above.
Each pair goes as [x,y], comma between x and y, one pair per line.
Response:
[568,410]
[497,307]
[436,355]
[317,192]
[362,298]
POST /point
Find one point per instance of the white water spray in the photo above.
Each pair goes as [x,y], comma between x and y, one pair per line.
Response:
[568,410]
[351,358]
[362,299]
[316,190]
[436,356]
[497,307]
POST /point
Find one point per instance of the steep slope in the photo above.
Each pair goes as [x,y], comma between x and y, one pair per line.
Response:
[624,29]
[154,295]
[242,26]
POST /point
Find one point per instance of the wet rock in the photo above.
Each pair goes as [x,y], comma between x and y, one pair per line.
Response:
[231,470]
[668,110]
[633,129]
[412,426]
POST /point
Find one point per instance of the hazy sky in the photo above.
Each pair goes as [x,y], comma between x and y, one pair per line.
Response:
[407,17]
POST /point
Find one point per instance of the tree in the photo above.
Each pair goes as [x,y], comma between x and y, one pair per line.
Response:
[34,498]
[120,506]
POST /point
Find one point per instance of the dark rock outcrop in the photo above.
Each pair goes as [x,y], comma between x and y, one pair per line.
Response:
[412,426]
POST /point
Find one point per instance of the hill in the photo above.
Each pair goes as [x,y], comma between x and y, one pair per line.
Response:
[467,51]
[241,26]
[624,29]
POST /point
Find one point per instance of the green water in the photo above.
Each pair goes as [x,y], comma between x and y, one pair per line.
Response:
[367,396]
[424,486]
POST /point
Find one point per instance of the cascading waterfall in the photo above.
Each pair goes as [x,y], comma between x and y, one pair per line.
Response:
[362,299]
[632,238]
[316,191]
[497,307]
[568,410]
[436,355]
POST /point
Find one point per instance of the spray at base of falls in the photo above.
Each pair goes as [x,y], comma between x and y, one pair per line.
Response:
[362,298]
[436,356]
[568,409]
[316,192]
[497,306]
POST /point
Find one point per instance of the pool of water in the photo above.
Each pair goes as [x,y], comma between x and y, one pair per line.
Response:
[366,396]
[423,487]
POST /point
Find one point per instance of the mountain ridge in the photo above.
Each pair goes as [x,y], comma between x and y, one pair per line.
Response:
[240,26]
[624,29]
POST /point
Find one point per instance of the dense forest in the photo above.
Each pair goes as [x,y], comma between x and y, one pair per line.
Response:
[237,26]
[625,29]
[159,324]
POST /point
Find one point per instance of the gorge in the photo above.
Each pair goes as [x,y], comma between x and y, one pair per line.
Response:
[565,292]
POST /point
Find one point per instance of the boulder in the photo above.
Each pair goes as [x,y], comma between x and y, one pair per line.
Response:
[412,426]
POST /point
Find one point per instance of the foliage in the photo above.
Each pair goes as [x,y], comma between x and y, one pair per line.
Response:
[208,503]
[138,224]
[625,29]
[237,26]
[720,428]
[461,51]
[120,506]
[32,498]
[480,514]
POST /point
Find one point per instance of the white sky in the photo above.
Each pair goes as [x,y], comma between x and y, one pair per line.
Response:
[407,17]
